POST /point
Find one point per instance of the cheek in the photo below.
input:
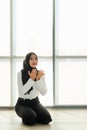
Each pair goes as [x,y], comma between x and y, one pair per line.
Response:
[30,62]
[37,62]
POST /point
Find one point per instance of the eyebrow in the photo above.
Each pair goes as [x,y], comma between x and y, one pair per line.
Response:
[33,57]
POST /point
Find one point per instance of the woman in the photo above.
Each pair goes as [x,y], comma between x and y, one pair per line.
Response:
[31,82]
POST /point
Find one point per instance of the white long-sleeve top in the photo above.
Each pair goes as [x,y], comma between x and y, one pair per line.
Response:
[36,87]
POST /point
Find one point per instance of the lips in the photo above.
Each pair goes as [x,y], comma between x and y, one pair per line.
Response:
[33,64]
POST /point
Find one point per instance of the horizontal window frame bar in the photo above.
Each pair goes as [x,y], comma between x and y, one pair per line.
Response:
[71,57]
[21,57]
[47,57]
[50,107]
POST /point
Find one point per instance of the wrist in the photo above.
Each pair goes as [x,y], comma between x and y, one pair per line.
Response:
[32,78]
[37,78]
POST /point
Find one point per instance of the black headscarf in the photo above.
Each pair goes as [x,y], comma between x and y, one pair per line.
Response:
[27,67]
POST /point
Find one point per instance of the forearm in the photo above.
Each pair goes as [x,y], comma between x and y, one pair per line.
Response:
[27,86]
[24,88]
[41,85]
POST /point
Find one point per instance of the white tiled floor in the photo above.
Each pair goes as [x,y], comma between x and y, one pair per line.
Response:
[63,119]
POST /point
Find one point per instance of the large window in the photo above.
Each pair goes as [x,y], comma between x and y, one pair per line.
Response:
[71,52]
[26,25]
[56,30]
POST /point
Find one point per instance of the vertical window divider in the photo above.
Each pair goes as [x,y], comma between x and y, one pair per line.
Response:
[53,52]
[11,51]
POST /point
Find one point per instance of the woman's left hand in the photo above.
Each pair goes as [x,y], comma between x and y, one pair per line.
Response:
[40,74]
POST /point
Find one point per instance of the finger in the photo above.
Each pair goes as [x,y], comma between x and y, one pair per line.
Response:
[34,70]
[41,70]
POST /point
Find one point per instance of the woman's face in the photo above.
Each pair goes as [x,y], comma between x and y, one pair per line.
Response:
[33,61]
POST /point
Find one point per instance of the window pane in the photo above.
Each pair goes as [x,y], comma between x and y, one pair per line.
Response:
[44,64]
[71,82]
[33,27]
[4,83]
[71,27]
[4,27]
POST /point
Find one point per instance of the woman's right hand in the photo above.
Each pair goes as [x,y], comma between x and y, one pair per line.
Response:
[32,74]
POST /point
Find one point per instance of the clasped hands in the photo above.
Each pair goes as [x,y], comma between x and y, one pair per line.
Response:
[36,74]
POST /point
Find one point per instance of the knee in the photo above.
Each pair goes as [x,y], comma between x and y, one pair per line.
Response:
[29,119]
[46,119]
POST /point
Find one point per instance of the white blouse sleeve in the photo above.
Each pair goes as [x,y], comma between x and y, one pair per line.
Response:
[24,88]
[41,85]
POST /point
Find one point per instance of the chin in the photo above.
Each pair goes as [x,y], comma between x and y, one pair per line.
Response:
[33,66]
